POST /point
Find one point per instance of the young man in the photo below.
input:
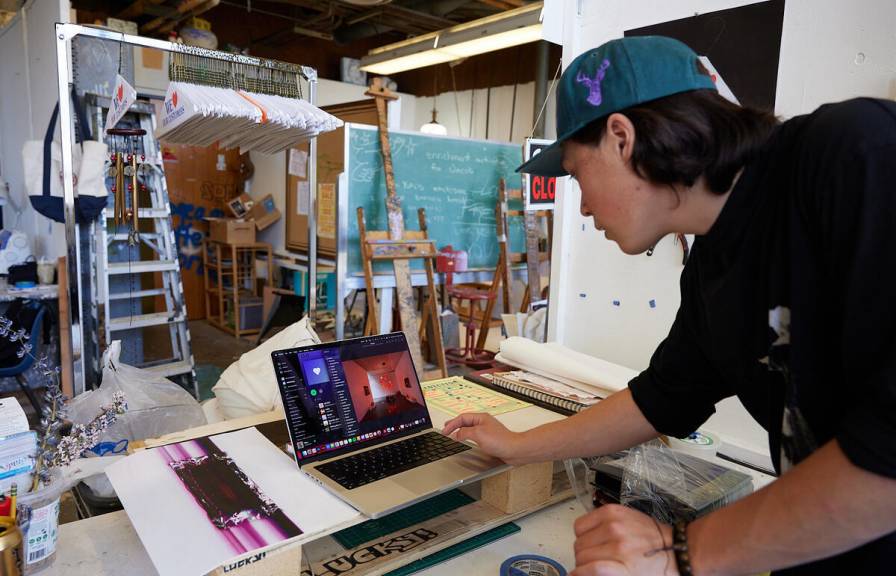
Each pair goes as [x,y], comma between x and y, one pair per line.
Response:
[786,302]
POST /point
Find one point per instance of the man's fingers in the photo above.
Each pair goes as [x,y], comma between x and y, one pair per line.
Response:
[596,517]
[471,419]
[601,568]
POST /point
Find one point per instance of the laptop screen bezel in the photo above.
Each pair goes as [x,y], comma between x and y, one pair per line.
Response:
[358,446]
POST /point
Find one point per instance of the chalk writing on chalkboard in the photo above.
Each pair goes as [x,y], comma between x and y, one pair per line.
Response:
[454,179]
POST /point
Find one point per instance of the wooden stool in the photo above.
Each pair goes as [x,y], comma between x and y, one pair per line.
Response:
[471,354]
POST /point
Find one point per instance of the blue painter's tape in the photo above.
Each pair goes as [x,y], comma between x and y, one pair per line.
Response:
[531,565]
[652,303]
[616,303]
[582,294]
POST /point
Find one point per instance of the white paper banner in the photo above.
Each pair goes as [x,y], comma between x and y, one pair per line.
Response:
[122,99]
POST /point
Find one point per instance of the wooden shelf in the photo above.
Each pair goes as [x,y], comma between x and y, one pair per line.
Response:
[235,262]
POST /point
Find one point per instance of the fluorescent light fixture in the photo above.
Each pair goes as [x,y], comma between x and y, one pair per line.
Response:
[503,30]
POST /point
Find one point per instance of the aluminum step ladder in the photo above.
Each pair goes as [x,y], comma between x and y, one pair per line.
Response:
[128,266]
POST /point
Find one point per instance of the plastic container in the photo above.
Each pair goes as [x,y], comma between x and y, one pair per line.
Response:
[38,517]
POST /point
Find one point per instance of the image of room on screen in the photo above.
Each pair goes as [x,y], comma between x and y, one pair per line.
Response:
[384,389]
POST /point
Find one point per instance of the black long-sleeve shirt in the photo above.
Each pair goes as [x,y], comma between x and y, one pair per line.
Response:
[788,303]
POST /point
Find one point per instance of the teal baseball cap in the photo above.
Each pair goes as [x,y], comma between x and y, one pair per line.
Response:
[615,76]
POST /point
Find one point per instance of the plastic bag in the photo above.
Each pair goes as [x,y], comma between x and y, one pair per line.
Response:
[662,483]
[156,406]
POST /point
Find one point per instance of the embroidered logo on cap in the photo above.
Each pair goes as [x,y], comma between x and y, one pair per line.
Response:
[593,84]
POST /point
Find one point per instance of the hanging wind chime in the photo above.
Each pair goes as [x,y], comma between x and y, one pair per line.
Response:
[125,168]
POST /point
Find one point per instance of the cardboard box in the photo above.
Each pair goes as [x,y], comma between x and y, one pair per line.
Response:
[231,230]
[264,212]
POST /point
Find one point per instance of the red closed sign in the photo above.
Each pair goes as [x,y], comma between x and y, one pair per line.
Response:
[541,191]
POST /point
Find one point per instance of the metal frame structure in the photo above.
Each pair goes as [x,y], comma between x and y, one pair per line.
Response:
[64,35]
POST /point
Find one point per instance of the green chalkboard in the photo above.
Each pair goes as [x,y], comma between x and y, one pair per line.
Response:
[454,179]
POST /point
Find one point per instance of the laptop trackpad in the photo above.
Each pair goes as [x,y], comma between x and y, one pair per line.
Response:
[439,474]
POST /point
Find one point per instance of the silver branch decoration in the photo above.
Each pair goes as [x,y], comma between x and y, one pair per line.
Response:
[60,442]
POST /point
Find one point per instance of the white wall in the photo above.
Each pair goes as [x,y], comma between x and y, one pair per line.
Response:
[454,109]
[28,92]
[819,63]
[270,169]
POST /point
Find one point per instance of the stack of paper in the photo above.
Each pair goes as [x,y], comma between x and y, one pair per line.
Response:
[202,115]
[18,446]
[553,374]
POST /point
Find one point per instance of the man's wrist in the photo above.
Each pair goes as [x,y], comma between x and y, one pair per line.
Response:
[697,549]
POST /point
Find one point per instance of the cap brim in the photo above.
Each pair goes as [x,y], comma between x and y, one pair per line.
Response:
[548,162]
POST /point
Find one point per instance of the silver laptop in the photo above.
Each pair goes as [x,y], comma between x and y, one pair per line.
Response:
[359,425]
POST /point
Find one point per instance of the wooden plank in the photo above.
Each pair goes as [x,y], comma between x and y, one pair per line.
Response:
[432,305]
[370,328]
[65,330]
[533,289]
[210,429]
[407,305]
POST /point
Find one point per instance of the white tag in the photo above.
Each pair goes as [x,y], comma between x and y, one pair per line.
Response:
[43,532]
[302,198]
[721,86]
[122,99]
[297,161]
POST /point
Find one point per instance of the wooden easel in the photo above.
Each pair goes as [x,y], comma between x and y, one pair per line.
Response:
[399,246]
[533,256]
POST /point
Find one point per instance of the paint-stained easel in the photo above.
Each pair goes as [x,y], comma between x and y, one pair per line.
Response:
[399,246]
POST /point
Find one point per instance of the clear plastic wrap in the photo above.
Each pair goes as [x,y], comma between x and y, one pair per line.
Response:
[156,406]
[667,485]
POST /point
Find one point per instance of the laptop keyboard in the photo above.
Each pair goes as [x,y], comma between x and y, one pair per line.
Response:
[354,471]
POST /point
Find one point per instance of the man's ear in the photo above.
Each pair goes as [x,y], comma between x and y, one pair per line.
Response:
[621,135]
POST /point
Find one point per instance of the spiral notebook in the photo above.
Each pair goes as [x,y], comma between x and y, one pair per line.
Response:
[544,390]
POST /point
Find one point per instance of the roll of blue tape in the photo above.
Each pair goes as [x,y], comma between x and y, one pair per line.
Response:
[531,565]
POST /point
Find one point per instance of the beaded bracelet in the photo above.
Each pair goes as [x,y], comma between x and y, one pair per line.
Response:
[680,549]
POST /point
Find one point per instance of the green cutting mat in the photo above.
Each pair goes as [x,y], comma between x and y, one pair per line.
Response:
[373,529]
[460,548]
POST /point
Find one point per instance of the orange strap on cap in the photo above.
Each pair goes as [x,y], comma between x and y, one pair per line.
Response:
[264,113]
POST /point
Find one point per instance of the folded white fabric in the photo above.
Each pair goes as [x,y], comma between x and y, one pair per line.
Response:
[249,385]
[556,361]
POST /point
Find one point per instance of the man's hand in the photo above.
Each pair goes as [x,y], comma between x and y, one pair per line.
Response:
[490,435]
[617,541]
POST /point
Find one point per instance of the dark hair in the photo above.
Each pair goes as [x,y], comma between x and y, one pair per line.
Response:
[683,136]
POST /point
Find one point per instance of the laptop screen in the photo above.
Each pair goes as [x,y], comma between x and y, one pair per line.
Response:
[341,395]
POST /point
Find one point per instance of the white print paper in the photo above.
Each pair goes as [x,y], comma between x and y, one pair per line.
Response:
[122,99]
[298,159]
[43,532]
[723,88]
[303,200]
[177,533]
[12,417]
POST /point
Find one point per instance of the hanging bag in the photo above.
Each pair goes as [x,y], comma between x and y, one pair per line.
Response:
[42,161]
